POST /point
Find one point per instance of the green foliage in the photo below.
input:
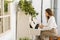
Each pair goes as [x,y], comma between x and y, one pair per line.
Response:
[24,38]
[27,7]
[5,6]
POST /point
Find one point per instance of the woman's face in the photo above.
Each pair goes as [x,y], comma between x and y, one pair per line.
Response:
[46,14]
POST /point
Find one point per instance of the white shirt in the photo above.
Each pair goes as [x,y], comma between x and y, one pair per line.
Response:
[51,24]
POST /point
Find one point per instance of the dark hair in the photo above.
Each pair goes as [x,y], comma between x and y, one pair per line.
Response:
[49,11]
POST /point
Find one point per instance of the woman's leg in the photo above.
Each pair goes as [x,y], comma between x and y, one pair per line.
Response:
[38,37]
[45,33]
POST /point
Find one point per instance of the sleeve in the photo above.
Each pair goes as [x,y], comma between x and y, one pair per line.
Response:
[51,24]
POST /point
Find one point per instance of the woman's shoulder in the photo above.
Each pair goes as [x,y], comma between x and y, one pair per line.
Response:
[52,17]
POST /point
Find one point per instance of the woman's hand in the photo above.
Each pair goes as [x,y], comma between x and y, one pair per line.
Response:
[41,26]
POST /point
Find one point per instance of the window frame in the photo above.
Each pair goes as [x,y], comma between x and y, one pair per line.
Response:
[2,16]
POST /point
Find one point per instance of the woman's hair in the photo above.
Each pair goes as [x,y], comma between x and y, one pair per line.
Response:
[49,11]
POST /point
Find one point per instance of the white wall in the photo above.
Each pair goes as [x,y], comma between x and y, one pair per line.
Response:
[22,25]
[13,20]
[37,5]
[58,16]
[46,4]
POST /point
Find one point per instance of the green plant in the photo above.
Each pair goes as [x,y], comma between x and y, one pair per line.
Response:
[24,38]
[27,7]
[5,6]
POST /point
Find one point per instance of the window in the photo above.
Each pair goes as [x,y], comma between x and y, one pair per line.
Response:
[4,16]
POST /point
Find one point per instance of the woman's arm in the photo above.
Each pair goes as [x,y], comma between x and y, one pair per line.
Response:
[51,24]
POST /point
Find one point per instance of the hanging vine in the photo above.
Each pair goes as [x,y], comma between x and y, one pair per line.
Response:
[27,7]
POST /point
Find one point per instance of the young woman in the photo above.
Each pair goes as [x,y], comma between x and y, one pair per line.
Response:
[50,28]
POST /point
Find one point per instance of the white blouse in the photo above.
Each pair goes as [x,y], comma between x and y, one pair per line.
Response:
[51,24]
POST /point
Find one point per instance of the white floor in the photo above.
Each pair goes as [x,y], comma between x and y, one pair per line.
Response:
[6,36]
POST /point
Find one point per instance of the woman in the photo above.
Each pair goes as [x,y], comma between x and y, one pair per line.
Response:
[50,28]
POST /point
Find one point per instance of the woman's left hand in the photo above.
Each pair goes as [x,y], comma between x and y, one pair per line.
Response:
[41,26]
